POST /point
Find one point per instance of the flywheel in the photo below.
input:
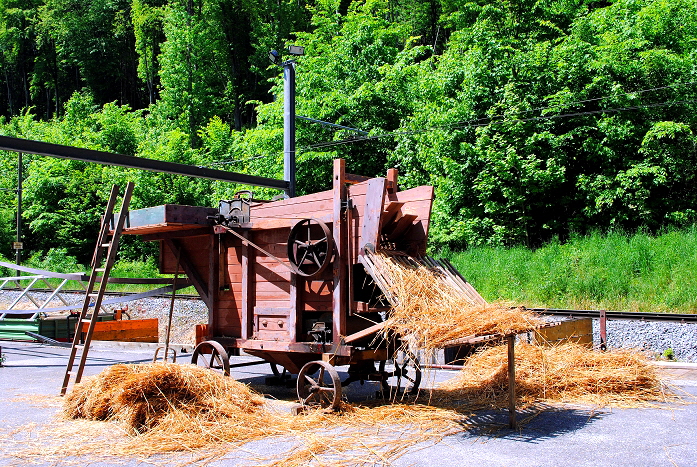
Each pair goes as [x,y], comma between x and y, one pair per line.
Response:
[310,247]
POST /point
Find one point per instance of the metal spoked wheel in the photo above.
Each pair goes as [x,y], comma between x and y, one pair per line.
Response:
[319,385]
[405,372]
[211,355]
[310,247]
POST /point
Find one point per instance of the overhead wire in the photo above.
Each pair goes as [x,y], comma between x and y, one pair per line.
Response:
[492,120]
[474,124]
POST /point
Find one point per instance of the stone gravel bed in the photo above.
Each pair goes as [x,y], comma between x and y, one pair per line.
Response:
[653,337]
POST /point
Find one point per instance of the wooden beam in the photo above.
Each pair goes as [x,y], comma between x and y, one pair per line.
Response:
[248,280]
[392,180]
[364,333]
[194,232]
[340,296]
[353,179]
[188,267]
[214,283]
[297,286]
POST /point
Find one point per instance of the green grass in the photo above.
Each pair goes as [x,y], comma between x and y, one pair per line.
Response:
[614,272]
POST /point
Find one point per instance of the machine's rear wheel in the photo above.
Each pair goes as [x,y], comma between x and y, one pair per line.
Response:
[405,373]
[211,355]
[319,385]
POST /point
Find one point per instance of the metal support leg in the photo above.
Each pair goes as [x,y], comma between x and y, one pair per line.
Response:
[603,330]
[511,382]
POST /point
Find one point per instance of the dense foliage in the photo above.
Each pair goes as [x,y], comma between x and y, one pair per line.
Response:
[534,119]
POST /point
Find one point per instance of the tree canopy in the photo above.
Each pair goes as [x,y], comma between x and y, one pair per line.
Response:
[534,119]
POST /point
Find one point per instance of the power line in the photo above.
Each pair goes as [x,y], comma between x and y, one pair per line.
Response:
[473,124]
[241,160]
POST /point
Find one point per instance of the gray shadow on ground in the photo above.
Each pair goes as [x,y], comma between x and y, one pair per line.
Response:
[535,424]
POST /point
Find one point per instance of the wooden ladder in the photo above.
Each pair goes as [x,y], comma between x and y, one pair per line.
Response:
[79,350]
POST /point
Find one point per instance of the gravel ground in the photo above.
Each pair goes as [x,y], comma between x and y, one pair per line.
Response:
[651,337]
[187,312]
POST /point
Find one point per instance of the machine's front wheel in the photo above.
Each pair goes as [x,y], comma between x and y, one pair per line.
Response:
[211,355]
[319,385]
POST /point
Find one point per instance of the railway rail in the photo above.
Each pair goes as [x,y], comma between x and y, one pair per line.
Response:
[617,315]
[611,315]
[110,293]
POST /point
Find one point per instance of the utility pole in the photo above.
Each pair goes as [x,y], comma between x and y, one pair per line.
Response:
[18,244]
[288,115]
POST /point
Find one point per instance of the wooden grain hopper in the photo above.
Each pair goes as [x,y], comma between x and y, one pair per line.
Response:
[282,280]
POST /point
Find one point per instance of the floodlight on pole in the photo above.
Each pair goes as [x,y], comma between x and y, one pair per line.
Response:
[288,115]
[296,50]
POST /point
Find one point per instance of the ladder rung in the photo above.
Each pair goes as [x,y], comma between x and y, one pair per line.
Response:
[79,346]
[85,320]
[106,245]
[93,294]
[100,270]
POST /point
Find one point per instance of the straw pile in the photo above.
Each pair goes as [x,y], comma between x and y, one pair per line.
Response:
[429,311]
[165,398]
[565,373]
[174,408]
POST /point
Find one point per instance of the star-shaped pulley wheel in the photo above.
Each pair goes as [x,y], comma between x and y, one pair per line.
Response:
[310,247]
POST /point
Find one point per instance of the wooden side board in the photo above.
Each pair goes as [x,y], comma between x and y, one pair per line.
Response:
[136,330]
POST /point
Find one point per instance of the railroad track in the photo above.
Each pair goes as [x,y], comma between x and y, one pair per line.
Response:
[616,315]
[611,315]
[114,294]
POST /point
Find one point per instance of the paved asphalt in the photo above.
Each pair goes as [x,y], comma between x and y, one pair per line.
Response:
[573,436]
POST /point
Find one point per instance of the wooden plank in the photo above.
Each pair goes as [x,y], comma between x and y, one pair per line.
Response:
[364,333]
[271,311]
[353,178]
[424,192]
[137,330]
[231,301]
[295,208]
[396,229]
[578,331]
[374,201]
[295,306]
[339,300]
[391,212]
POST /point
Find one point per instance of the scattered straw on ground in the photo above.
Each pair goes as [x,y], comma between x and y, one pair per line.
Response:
[168,407]
[565,373]
[197,415]
[430,312]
